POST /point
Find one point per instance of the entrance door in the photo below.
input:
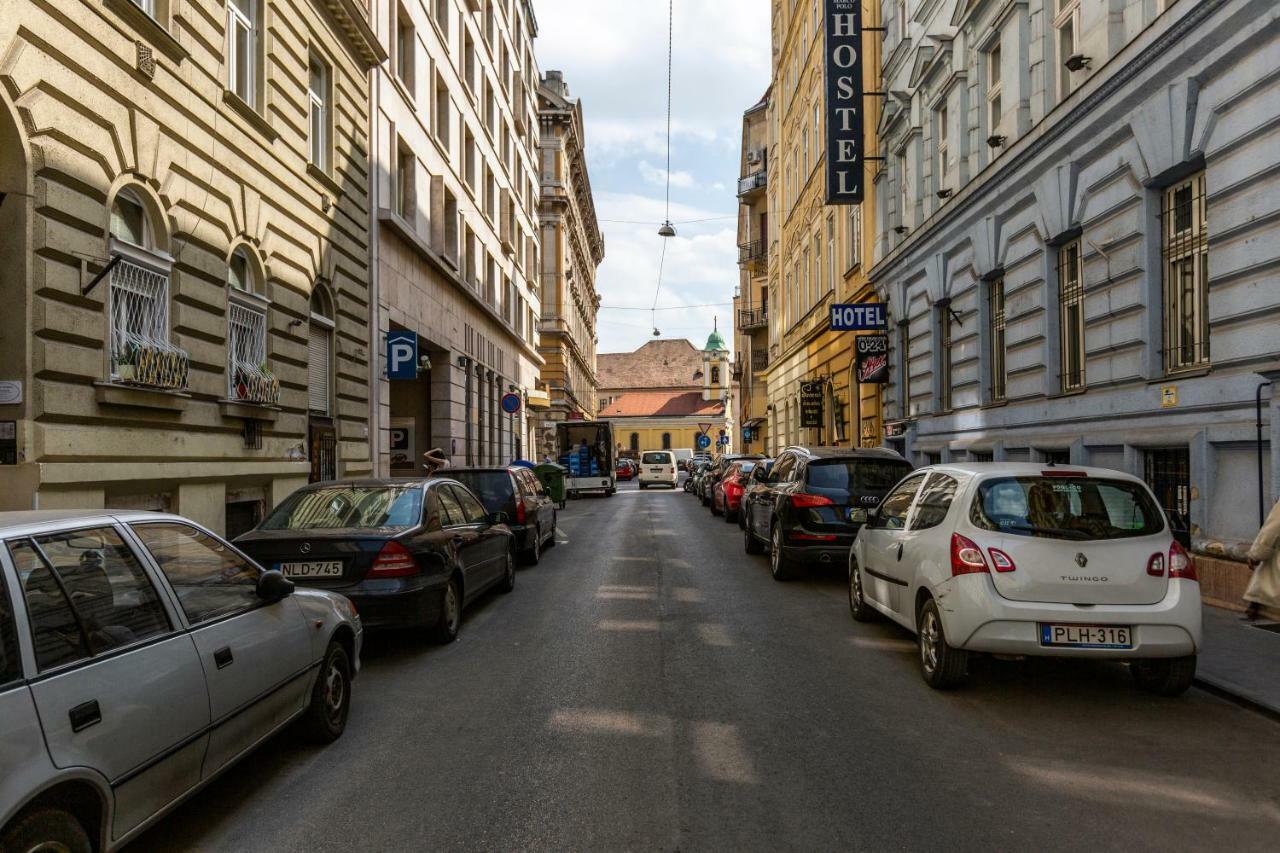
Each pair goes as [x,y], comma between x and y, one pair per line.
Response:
[322,449]
[1168,473]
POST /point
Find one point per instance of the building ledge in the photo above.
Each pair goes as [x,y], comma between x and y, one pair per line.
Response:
[149,28]
[249,114]
[137,396]
[248,411]
[325,180]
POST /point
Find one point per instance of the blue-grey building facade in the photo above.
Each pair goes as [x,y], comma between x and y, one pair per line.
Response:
[1078,236]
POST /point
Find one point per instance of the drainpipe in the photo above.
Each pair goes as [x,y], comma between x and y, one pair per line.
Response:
[1257,399]
[465,363]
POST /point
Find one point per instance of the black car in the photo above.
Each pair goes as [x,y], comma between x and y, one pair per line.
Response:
[757,484]
[408,553]
[811,504]
[520,495]
[717,470]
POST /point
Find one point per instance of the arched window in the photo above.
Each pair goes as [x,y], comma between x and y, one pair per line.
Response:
[248,379]
[635,442]
[666,441]
[715,376]
[320,352]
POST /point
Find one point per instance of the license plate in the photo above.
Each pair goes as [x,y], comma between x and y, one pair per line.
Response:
[1087,636]
[858,515]
[655,471]
[320,569]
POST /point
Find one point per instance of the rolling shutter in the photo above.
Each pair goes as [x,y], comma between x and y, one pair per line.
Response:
[318,363]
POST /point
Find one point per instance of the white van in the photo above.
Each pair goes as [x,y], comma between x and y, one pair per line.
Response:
[683,456]
[658,468]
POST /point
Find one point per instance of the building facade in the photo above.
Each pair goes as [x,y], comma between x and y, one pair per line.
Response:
[184,231]
[1079,244]
[815,257]
[572,249]
[665,394]
[455,196]
[751,300]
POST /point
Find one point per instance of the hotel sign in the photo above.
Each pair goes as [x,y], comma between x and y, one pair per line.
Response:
[843,66]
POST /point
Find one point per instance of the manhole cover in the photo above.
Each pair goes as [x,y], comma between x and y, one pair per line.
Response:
[1273,627]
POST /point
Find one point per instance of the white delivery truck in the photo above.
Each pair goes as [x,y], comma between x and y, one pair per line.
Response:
[587,455]
[683,456]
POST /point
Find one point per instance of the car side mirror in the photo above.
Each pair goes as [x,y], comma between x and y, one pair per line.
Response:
[497,518]
[273,586]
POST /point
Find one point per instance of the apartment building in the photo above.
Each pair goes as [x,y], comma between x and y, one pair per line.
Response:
[184,231]
[572,249]
[815,254]
[456,245]
[1078,245]
[751,299]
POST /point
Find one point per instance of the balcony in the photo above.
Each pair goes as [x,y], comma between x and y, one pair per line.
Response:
[753,319]
[759,360]
[755,256]
[752,184]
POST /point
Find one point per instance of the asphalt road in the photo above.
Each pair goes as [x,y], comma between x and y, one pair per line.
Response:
[650,687]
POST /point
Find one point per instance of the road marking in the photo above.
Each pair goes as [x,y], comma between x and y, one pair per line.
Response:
[608,722]
[639,625]
[613,587]
[633,596]
[721,754]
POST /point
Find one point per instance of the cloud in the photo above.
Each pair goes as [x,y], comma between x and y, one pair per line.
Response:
[656,175]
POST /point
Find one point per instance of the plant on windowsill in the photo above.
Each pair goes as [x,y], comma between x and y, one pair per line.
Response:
[255,385]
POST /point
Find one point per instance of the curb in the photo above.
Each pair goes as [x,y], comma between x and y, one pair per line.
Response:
[1225,690]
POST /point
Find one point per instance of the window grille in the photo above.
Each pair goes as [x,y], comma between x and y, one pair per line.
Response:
[944,356]
[248,379]
[1168,473]
[999,373]
[1071,316]
[1185,247]
[140,348]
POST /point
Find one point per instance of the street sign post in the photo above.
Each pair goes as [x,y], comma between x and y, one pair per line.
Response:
[703,441]
[402,354]
[511,403]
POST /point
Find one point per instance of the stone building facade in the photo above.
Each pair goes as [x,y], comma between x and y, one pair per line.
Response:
[751,300]
[1077,240]
[572,249]
[455,194]
[184,231]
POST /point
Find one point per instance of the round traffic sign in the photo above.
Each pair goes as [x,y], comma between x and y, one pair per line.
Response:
[511,403]
[703,442]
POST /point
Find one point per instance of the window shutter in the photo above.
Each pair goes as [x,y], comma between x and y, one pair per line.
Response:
[318,360]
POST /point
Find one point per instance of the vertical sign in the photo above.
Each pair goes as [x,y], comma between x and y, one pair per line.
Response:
[402,354]
[843,67]
[811,404]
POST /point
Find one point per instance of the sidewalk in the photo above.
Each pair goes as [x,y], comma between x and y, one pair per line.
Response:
[1241,659]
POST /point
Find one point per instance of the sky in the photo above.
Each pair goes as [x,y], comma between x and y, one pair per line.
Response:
[614,58]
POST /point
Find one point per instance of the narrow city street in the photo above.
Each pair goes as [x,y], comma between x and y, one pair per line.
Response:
[650,687]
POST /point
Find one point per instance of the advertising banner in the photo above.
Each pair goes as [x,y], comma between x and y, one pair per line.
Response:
[843,67]
[811,394]
[873,359]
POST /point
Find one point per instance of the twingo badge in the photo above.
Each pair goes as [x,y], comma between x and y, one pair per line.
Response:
[843,68]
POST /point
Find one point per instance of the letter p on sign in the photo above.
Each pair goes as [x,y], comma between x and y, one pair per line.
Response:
[402,355]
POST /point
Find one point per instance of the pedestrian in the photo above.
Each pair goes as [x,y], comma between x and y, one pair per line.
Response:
[434,459]
[1264,559]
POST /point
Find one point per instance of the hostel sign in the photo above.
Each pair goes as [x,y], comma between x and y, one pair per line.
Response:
[843,67]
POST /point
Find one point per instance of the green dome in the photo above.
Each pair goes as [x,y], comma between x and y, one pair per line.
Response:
[715,342]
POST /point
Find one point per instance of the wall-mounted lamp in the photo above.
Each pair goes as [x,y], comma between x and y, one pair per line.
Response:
[294,323]
[947,193]
[1078,61]
[463,361]
[899,229]
[995,140]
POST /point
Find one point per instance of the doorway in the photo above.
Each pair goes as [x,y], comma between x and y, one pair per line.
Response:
[1168,473]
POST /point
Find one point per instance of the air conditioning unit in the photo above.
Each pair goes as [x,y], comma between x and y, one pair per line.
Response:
[753,157]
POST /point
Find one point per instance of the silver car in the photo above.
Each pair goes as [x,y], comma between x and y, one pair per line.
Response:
[140,656]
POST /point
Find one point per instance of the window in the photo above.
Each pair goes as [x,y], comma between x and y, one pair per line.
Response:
[944,356]
[715,376]
[666,442]
[211,580]
[904,349]
[129,220]
[1070,508]
[994,89]
[893,509]
[900,15]
[320,352]
[405,182]
[940,128]
[318,110]
[86,594]
[996,320]
[1067,23]
[469,157]
[10,659]
[248,379]
[831,253]
[815,294]
[1071,315]
[468,61]
[442,18]
[904,189]
[405,47]
[138,302]
[443,111]
[1185,252]
[635,442]
[243,43]
[935,502]
[804,158]
[450,510]
[854,217]
[472,510]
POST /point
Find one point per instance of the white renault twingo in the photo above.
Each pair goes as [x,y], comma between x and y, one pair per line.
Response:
[1028,559]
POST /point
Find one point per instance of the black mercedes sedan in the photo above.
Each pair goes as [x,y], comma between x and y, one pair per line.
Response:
[409,553]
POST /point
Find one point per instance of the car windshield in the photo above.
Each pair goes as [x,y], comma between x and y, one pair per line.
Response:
[492,487]
[338,507]
[746,467]
[657,459]
[856,475]
[1075,508]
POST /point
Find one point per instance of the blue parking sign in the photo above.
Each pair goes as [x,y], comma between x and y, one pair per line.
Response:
[402,354]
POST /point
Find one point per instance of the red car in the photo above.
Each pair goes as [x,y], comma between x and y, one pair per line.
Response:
[626,470]
[726,494]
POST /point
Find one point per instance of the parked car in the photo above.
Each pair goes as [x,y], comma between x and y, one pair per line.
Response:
[626,469]
[754,484]
[726,496]
[1031,560]
[717,470]
[814,501]
[140,657]
[519,495]
[410,553]
[658,468]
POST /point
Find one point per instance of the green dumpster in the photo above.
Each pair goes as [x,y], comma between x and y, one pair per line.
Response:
[552,477]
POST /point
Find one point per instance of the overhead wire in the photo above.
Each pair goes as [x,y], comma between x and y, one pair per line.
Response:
[653,316]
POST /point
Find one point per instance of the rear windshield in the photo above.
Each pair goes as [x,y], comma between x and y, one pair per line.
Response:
[336,507]
[657,459]
[492,487]
[1077,508]
[856,475]
[747,467]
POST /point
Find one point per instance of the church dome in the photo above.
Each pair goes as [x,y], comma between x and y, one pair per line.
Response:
[715,342]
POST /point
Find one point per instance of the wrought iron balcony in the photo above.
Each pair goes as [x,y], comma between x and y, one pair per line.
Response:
[751,319]
[753,252]
[752,183]
[759,360]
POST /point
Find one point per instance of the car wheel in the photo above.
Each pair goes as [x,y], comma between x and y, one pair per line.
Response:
[533,554]
[750,543]
[45,829]
[1165,676]
[326,716]
[779,564]
[508,581]
[942,665]
[858,607]
[450,619]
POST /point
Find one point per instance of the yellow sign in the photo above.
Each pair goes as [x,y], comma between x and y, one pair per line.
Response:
[1168,396]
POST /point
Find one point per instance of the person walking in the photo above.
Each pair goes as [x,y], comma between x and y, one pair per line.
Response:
[1264,559]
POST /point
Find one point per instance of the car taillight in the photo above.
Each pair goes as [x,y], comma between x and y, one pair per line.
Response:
[1001,561]
[1181,564]
[1155,566]
[732,488]
[966,557]
[803,501]
[394,561]
[521,512]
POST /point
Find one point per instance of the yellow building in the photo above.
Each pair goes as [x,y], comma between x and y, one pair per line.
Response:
[665,394]
[751,300]
[817,253]
[184,252]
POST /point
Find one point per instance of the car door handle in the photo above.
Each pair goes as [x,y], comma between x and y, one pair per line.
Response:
[899,550]
[223,657]
[84,715]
